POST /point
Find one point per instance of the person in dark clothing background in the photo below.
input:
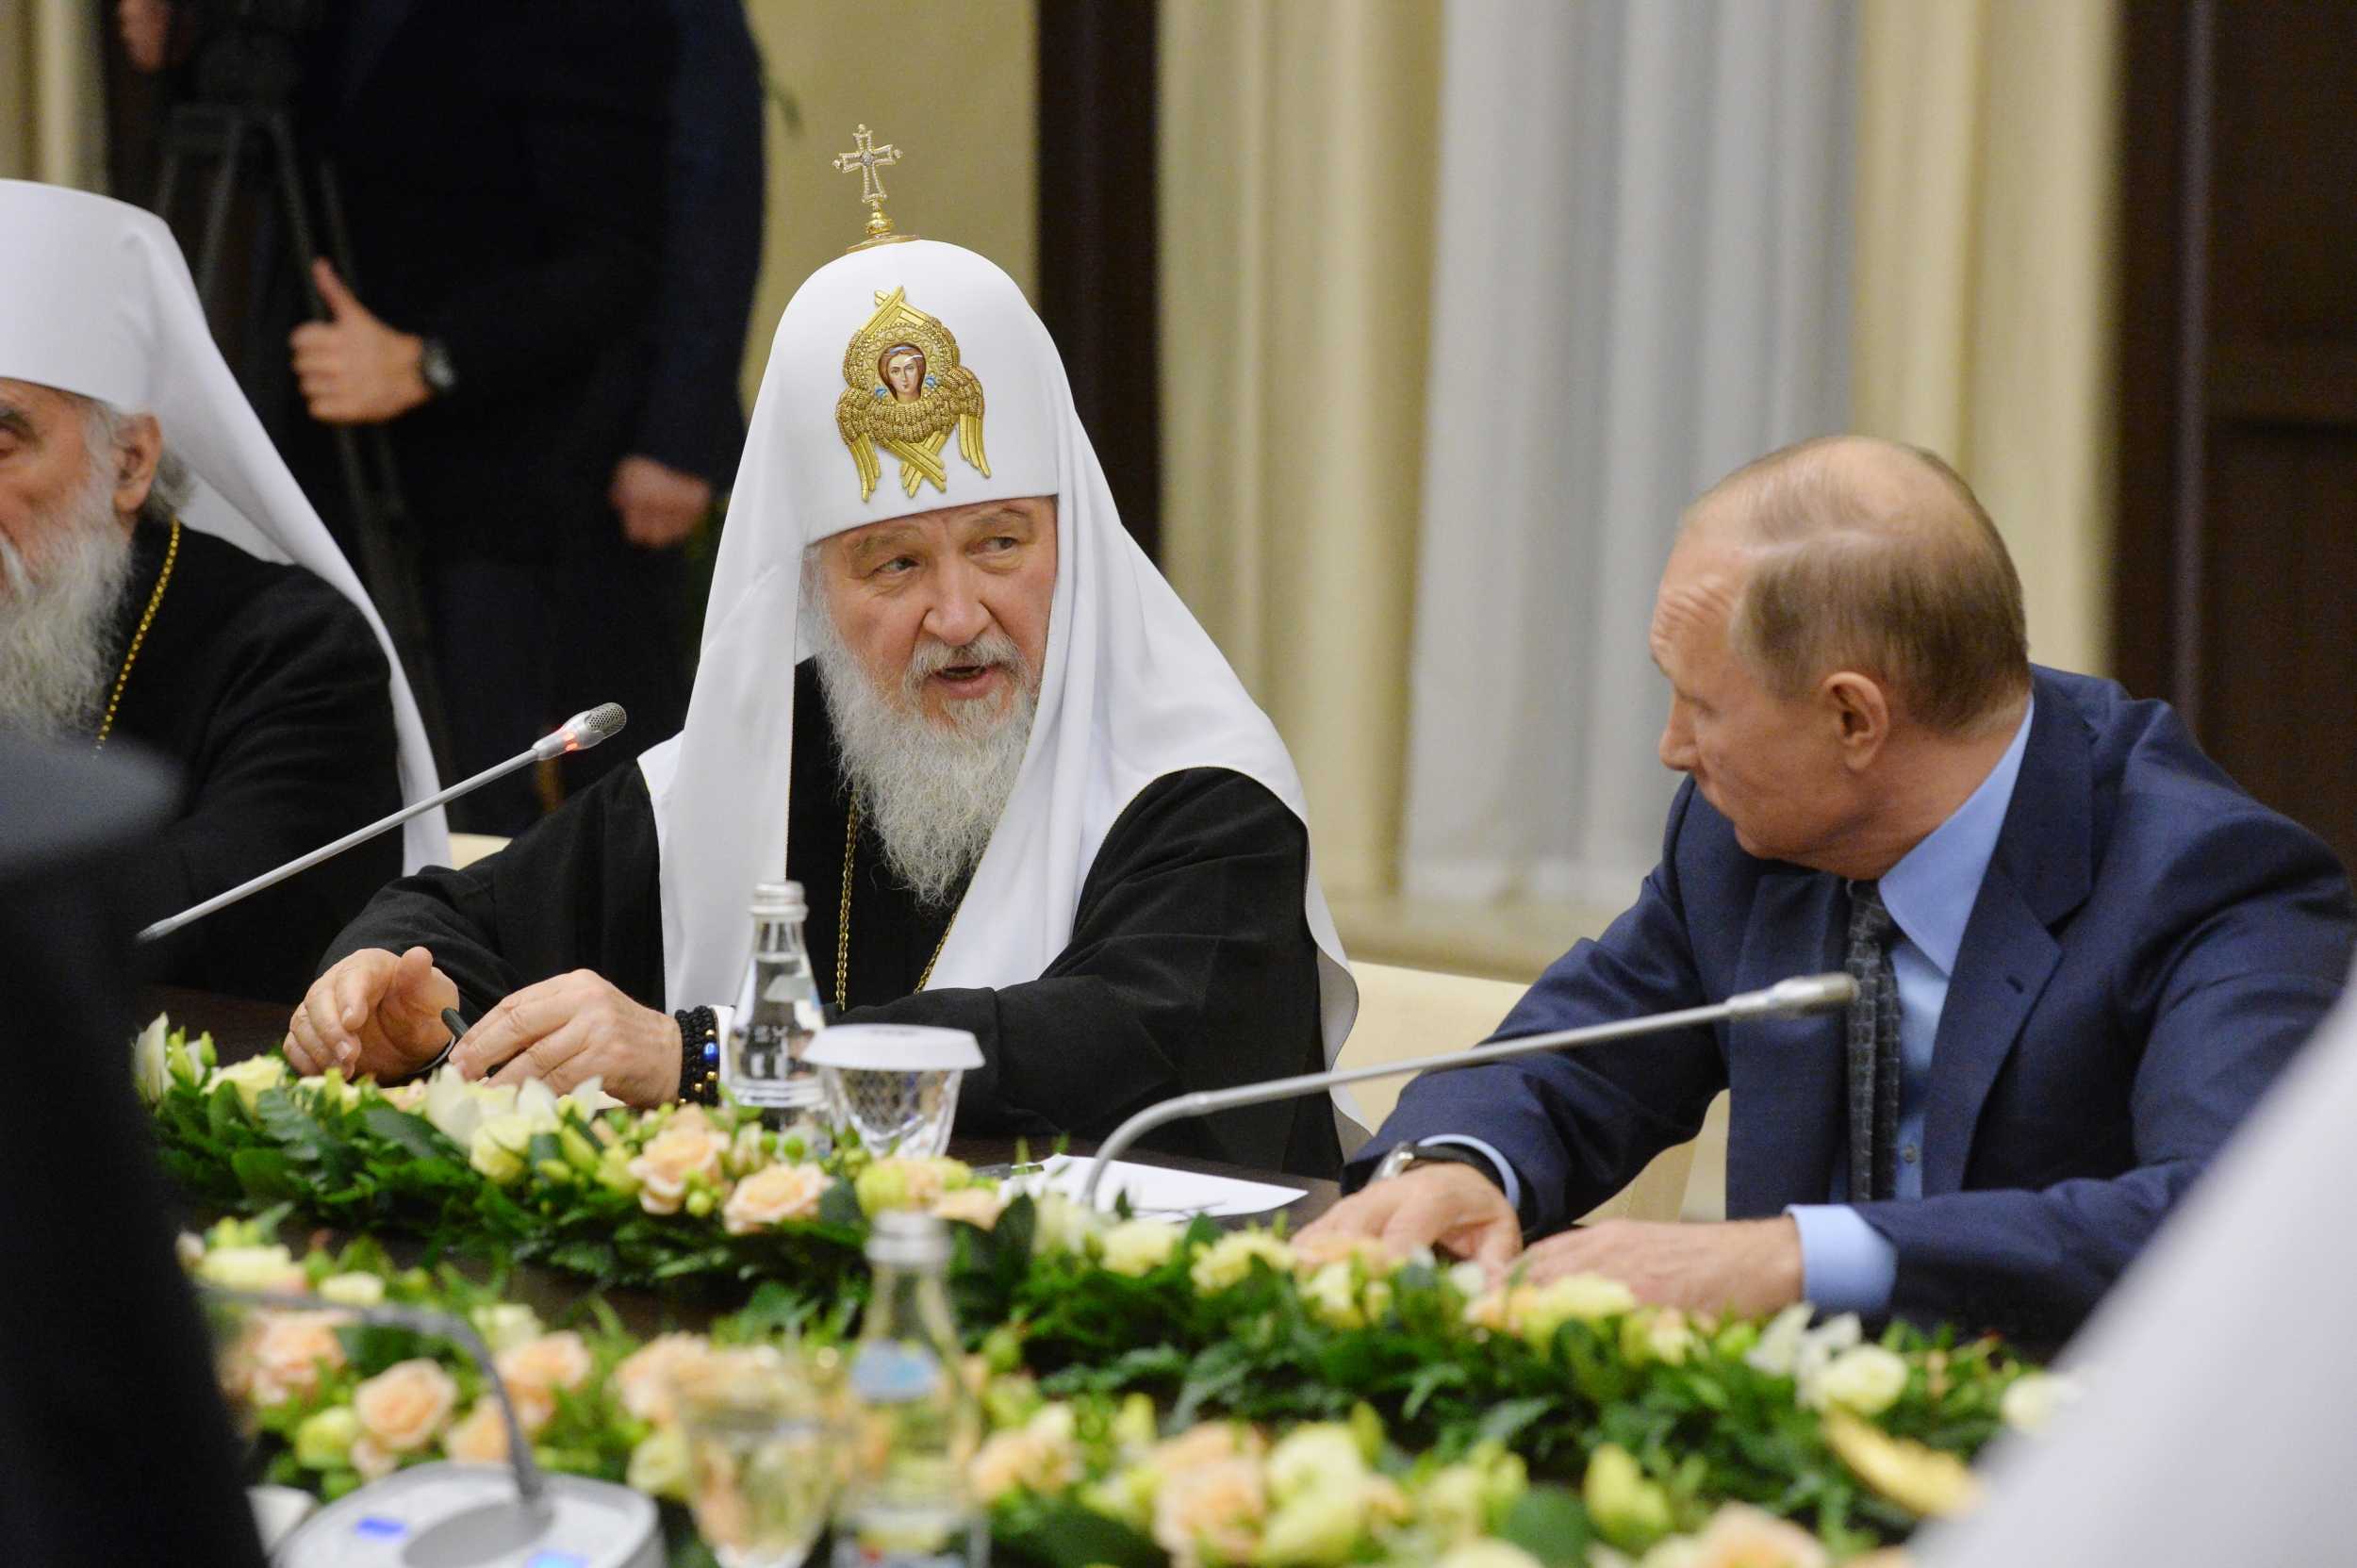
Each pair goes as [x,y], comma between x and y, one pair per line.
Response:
[693,422]
[503,170]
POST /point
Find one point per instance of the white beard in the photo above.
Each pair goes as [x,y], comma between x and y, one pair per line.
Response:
[57,640]
[933,792]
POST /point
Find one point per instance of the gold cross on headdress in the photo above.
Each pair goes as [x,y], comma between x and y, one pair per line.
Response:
[867,157]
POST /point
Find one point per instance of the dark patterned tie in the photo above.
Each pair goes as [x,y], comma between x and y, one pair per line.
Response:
[1874,1049]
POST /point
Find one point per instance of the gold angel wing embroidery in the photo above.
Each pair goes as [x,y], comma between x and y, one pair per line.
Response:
[850,411]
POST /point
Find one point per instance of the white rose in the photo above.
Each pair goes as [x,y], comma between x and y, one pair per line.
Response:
[252,1268]
[505,1325]
[2032,1400]
[249,1078]
[658,1466]
[773,1195]
[456,1105]
[353,1290]
[1228,1262]
[1322,1457]
[403,1407]
[150,1068]
[1582,1298]
[1317,1529]
[1779,1343]
[1062,1225]
[498,1147]
[1487,1554]
[1468,1278]
[1137,1246]
[1864,1378]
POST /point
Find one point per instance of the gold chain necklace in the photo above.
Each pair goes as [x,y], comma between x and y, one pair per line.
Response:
[131,655]
[843,924]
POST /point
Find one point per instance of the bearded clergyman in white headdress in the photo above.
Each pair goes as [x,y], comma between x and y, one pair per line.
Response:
[1024,794]
[164,584]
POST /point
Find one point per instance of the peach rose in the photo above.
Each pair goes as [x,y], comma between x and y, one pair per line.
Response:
[686,1148]
[287,1349]
[977,1206]
[1211,1512]
[403,1407]
[537,1369]
[1740,1536]
[773,1195]
[481,1438]
[370,1457]
[643,1381]
[1208,1443]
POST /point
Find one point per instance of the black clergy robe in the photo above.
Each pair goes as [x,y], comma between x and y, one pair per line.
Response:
[1191,965]
[266,689]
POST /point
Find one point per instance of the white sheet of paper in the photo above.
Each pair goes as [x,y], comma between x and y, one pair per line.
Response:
[1159,1193]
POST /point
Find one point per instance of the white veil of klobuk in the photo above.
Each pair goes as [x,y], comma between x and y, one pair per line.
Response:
[1133,688]
[95,299]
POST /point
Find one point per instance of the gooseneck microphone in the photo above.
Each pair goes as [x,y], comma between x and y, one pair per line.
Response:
[1787,998]
[577,734]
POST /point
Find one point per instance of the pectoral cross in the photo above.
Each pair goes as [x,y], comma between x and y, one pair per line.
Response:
[867,157]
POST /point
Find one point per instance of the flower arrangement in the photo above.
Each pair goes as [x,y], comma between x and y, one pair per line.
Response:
[1150,1382]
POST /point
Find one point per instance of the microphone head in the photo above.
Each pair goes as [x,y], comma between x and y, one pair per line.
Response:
[602,723]
[1793,998]
[583,731]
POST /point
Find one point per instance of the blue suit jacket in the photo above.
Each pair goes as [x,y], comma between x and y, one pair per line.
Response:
[2150,947]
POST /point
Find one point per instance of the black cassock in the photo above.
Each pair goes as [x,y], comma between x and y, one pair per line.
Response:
[265,688]
[1191,965]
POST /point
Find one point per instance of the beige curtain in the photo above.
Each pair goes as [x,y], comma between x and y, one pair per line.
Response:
[1986,140]
[1296,186]
[952,86]
[52,113]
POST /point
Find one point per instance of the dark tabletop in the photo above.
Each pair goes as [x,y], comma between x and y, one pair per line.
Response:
[242,1028]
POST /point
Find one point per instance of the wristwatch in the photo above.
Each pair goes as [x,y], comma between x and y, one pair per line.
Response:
[1402,1158]
[435,369]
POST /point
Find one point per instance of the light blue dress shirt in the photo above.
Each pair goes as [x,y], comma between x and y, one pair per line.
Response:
[1846,1266]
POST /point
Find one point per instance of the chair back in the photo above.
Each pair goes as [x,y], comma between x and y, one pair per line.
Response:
[1407,1013]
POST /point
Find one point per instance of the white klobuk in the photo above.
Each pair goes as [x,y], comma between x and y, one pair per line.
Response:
[95,299]
[1132,688]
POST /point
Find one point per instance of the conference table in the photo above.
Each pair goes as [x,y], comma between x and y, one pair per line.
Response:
[242,1028]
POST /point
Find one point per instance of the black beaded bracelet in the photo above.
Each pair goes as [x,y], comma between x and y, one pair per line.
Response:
[699,1055]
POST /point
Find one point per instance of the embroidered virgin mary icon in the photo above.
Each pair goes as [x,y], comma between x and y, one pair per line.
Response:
[905,392]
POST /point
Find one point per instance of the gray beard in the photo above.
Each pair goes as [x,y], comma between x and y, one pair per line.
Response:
[934,793]
[56,633]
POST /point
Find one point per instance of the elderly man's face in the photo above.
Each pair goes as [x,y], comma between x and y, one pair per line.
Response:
[943,599]
[1773,766]
[45,461]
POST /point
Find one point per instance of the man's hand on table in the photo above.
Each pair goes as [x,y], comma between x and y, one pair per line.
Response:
[372,1012]
[1748,1268]
[571,1029]
[1449,1206]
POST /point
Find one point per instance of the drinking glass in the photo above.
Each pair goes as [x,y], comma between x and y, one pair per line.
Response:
[759,1428]
[896,1084]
